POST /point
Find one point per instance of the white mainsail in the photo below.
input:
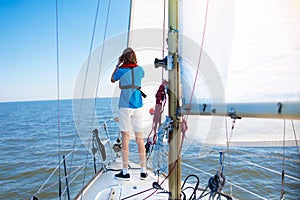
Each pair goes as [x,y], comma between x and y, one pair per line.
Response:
[265,44]
[265,59]
[265,65]
[262,65]
[206,31]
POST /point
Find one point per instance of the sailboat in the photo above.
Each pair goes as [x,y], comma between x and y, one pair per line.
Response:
[195,43]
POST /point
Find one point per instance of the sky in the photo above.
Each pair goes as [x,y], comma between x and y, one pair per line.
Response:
[28,44]
[28,47]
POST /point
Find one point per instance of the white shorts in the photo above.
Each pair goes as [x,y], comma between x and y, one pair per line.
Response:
[131,119]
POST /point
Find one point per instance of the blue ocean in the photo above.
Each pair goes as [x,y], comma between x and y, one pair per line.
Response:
[30,152]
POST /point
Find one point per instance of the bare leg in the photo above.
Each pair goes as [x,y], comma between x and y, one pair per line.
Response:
[125,148]
[141,148]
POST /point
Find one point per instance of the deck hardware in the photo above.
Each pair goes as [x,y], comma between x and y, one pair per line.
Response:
[232,114]
[213,110]
[166,63]
[279,107]
[204,107]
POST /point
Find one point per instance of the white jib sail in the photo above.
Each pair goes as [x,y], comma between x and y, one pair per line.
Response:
[147,37]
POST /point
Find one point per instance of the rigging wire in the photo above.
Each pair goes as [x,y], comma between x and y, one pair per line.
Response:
[58,93]
[73,148]
[47,180]
[171,169]
[264,156]
[85,80]
[236,185]
[88,65]
[254,164]
[283,145]
[251,163]
[228,151]
[283,155]
[79,168]
[268,169]
[101,57]
[295,138]
[99,73]
[40,190]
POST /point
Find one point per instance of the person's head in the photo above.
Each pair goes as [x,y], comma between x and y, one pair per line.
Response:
[128,56]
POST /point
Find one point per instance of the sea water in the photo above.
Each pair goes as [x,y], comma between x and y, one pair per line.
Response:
[30,152]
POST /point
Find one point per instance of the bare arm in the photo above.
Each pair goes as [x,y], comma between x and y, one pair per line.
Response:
[117,67]
[112,75]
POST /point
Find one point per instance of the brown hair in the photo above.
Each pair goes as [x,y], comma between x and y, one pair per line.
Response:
[128,56]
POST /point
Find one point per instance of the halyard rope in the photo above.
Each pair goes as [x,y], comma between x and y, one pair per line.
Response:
[200,53]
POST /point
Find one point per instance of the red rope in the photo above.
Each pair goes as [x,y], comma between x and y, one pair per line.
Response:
[159,108]
[201,49]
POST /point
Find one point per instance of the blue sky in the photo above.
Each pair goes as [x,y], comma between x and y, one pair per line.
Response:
[28,44]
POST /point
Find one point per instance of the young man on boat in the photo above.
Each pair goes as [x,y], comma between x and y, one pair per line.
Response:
[130,75]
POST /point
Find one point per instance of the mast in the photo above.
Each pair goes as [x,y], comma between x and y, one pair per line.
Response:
[174,103]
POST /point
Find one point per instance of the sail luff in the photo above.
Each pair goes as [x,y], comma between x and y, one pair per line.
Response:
[174,94]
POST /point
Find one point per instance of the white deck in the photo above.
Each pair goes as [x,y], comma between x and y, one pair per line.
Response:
[105,186]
